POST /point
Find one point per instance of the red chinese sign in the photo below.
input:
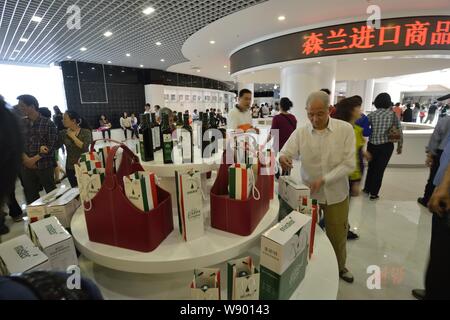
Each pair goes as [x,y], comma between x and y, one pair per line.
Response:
[396,34]
[420,32]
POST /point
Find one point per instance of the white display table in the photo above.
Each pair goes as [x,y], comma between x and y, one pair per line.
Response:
[173,255]
[167,272]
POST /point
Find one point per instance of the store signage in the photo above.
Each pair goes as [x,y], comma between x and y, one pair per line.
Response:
[397,34]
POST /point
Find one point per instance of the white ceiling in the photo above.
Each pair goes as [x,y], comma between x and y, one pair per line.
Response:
[133,32]
[260,22]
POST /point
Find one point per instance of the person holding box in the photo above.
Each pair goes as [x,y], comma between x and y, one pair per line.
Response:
[326,150]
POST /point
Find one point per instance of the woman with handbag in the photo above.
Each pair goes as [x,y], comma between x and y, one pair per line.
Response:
[386,130]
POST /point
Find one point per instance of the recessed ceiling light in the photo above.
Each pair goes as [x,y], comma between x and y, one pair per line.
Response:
[158,43]
[23,40]
[229,72]
[365,59]
[281,18]
[162,60]
[141,65]
[83,49]
[225,67]
[212,42]
[128,55]
[108,34]
[318,62]
[198,70]
[148,10]
[36,19]
[93,68]
[69,57]
[109,62]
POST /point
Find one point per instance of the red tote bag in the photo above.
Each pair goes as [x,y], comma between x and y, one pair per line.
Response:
[127,226]
[236,216]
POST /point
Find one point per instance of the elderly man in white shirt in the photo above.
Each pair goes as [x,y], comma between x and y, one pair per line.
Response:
[326,150]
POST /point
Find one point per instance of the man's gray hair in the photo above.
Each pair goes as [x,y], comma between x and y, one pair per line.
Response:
[321,96]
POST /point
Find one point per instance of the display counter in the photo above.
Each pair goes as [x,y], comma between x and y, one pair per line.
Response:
[167,272]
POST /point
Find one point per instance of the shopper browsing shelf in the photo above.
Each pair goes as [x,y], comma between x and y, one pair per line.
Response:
[386,129]
[10,159]
[38,163]
[326,150]
[77,137]
[283,124]
[240,117]
[126,124]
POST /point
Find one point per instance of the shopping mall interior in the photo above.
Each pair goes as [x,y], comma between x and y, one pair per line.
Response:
[205,150]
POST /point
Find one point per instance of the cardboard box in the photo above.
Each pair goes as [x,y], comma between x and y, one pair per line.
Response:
[284,257]
[292,192]
[206,284]
[20,255]
[243,279]
[190,204]
[57,244]
[65,206]
[38,209]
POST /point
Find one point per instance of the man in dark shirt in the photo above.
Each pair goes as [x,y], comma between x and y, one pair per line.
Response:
[38,161]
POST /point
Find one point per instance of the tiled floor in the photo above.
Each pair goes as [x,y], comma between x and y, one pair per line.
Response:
[395,235]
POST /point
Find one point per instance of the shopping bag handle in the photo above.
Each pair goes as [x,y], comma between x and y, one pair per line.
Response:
[95,141]
[112,154]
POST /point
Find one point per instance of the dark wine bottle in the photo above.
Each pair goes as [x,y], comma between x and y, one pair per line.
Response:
[146,138]
[205,138]
[167,139]
[187,142]
[156,132]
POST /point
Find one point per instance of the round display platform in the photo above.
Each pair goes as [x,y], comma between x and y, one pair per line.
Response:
[321,279]
[173,254]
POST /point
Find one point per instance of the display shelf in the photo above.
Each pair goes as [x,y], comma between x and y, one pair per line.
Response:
[173,255]
[321,280]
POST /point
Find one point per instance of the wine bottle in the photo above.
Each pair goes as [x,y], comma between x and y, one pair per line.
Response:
[156,132]
[167,140]
[187,145]
[146,139]
[205,135]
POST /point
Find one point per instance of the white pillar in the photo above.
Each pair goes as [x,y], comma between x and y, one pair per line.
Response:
[363,88]
[368,96]
[299,81]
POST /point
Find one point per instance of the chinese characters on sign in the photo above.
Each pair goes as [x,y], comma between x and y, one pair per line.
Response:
[394,34]
[391,36]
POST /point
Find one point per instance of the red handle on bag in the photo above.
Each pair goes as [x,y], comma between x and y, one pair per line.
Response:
[95,141]
[110,161]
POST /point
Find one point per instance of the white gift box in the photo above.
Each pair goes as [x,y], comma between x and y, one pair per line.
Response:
[57,244]
[206,284]
[292,192]
[190,204]
[64,207]
[284,256]
[20,255]
[243,280]
[89,184]
[38,209]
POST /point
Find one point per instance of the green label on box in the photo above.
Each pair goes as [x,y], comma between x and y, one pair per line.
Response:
[281,287]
